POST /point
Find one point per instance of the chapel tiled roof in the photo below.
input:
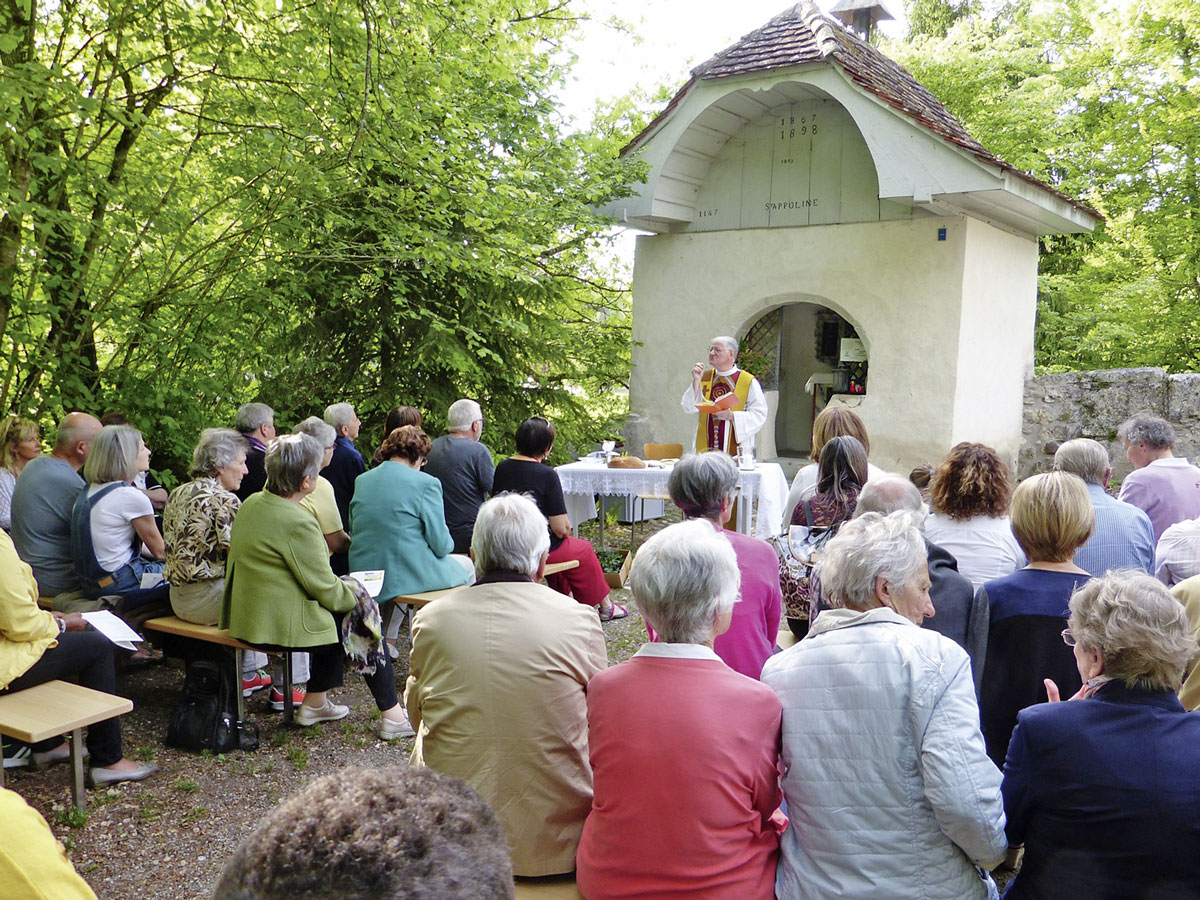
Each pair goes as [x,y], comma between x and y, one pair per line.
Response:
[802,35]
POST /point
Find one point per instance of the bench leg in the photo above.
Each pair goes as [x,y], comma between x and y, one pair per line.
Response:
[77,769]
[237,675]
[289,715]
[1,764]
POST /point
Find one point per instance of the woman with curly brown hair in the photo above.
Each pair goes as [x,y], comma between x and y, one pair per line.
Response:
[398,523]
[969,495]
[398,417]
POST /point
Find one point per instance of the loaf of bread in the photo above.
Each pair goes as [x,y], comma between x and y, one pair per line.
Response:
[626,462]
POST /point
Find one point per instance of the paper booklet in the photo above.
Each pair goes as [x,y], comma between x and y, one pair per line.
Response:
[113,628]
[725,401]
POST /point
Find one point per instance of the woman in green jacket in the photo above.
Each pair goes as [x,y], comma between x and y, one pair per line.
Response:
[281,592]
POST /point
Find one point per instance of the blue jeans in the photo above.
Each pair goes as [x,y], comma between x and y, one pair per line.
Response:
[129,576]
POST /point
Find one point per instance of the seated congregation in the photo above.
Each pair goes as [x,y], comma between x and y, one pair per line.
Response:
[915,738]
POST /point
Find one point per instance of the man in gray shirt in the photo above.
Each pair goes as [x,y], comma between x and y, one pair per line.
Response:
[464,467]
[42,502]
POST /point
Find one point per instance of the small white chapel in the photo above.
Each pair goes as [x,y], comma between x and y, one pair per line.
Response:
[808,195]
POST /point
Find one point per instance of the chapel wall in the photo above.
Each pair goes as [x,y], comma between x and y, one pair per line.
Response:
[1093,404]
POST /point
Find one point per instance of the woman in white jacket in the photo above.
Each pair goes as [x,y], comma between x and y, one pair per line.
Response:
[889,791]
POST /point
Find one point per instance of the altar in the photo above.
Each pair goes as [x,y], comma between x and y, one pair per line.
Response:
[762,492]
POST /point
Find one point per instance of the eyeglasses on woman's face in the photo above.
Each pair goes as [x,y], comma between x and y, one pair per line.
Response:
[1068,638]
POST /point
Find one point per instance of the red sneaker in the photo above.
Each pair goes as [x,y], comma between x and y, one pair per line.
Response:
[255,682]
[276,698]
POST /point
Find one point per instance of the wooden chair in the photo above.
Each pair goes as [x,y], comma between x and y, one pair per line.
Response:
[651,451]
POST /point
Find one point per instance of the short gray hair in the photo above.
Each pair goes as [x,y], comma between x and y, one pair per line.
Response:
[1143,428]
[683,578]
[462,414]
[318,429]
[289,460]
[251,416]
[868,548]
[730,342]
[1083,457]
[510,533]
[113,456]
[339,414]
[700,481]
[889,494]
[1140,628]
[216,449]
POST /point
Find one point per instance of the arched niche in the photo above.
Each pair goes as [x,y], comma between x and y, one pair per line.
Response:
[783,156]
[800,336]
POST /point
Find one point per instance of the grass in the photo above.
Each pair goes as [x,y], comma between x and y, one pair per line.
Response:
[151,809]
[187,785]
[195,814]
[71,817]
[145,754]
[298,757]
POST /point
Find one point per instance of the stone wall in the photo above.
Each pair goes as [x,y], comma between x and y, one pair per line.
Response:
[1093,404]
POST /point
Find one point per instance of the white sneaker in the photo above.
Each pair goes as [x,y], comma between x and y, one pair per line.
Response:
[17,757]
[330,712]
[390,731]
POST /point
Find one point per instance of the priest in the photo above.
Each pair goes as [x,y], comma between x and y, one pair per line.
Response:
[730,402]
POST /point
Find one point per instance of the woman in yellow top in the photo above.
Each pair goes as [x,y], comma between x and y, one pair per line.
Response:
[33,864]
[37,646]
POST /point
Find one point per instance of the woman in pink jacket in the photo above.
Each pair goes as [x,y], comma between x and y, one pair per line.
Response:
[684,750]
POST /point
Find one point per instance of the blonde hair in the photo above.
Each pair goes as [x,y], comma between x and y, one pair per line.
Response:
[14,430]
[113,456]
[837,421]
[1052,516]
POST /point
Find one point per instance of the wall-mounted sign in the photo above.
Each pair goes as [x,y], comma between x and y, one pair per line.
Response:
[853,350]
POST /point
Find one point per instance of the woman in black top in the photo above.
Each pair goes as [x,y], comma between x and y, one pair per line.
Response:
[524,473]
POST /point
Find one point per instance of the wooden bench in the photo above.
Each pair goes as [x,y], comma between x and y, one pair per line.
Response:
[55,708]
[554,887]
[213,635]
[424,598]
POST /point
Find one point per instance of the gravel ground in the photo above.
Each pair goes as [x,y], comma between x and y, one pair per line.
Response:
[166,838]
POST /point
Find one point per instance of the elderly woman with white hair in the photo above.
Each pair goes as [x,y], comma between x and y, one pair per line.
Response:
[684,750]
[888,786]
[280,592]
[1105,791]
[197,522]
[704,487]
[497,685]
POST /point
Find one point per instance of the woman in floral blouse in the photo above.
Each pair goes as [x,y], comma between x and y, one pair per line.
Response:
[196,524]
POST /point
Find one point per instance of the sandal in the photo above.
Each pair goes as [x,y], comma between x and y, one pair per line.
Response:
[144,656]
[615,611]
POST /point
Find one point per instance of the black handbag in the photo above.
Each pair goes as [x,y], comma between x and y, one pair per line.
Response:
[206,716]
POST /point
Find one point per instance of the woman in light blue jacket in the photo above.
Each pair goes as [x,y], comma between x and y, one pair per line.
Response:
[889,791]
[398,522]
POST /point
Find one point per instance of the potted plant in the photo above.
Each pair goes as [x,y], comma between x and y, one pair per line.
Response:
[615,564]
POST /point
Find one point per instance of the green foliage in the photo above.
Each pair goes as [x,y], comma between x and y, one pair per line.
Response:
[1099,99]
[205,204]
[933,18]
[71,817]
